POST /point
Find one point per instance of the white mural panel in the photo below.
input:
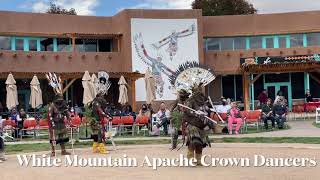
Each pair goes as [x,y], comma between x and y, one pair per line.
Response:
[162,45]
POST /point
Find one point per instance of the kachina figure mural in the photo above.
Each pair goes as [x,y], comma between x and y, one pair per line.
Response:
[155,63]
[172,40]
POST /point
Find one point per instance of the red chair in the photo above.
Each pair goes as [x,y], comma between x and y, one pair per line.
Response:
[116,121]
[43,124]
[252,119]
[298,109]
[75,123]
[9,126]
[224,116]
[127,123]
[142,121]
[29,125]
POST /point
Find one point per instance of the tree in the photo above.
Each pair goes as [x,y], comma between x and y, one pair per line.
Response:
[56,9]
[224,7]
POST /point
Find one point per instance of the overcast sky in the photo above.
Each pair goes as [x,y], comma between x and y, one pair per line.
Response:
[111,7]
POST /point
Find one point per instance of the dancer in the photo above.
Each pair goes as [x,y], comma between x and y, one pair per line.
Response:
[99,106]
[176,117]
[196,124]
[58,111]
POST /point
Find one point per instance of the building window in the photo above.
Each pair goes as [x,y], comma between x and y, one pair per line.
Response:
[239,89]
[296,40]
[46,44]
[273,78]
[80,45]
[5,43]
[297,84]
[226,43]
[232,87]
[105,45]
[240,43]
[314,88]
[213,44]
[19,44]
[313,39]
[258,86]
[282,42]
[228,86]
[91,45]
[64,44]
[269,42]
[33,45]
[255,42]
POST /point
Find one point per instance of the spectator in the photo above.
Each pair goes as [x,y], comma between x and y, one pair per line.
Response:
[127,110]
[23,116]
[234,117]
[163,116]
[224,108]
[16,118]
[267,114]
[263,97]
[309,97]
[279,112]
[144,111]
[278,97]
[78,111]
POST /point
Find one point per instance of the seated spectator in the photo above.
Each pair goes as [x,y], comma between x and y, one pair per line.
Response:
[224,108]
[14,116]
[78,111]
[234,117]
[309,97]
[267,114]
[23,116]
[279,112]
[163,116]
[144,111]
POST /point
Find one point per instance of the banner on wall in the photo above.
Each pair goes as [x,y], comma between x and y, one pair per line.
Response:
[280,59]
[162,45]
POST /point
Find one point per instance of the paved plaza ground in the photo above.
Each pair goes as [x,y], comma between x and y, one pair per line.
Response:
[11,169]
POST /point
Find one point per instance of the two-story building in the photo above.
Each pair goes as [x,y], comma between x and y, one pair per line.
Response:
[248,53]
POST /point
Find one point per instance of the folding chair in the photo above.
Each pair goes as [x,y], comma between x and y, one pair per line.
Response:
[43,125]
[29,125]
[75,124]
[252,119]
[298,109]
[128,122]
[9,126]
[117,123]
[142,121]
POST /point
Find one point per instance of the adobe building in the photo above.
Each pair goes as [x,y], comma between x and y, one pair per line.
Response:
[248,53]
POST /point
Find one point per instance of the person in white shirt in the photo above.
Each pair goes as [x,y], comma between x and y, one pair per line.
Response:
[224,108]
[163,116]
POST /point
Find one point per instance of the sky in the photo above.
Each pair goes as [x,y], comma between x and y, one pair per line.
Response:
[111,7]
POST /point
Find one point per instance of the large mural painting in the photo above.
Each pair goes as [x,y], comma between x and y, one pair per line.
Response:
[162,45]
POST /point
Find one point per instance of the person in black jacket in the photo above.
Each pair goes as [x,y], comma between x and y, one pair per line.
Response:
[267,114]
[309,97]
[279,112]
